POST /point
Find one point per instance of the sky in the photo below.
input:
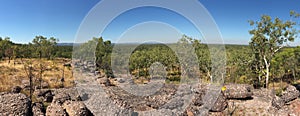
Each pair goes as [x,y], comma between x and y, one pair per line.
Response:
[22,20]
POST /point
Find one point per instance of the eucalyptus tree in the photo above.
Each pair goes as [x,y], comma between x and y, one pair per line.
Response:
[268,37]
[6,47]
[44,47]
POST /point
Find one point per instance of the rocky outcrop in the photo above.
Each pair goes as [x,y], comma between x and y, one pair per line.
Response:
[71,92]
[55,109]
[216,102]
[76,108]
[104,81]
[61,98]
[15,104]
[220,104]
[238,91]
[38,109]
[67,101]
[277,102]
[44,94]
[68,108]
[289,94]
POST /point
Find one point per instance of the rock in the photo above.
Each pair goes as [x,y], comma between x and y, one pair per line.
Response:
[72,92]
[176,103]
[38,109]
[76,108]
[16,89]
[238,91]
[61,98]
[15,104]
[121,80]
[97,72]
[41,92]
[55,110]
[289,94]
[220,104]
[295,107]
[209,97]
[48,97]
[104,81]
[44,94]
[277,102]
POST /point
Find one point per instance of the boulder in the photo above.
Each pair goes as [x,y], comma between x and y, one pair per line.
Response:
[205,95]
[289,94]
[121,80]
[238,91]
[220,104]
[16,89]
[38,109]
[48,97]
[15,104]
[61,98]
[44,94]
[55,110]
[76,108]
[72,92]
[104,81]
[41,92]
[277,102]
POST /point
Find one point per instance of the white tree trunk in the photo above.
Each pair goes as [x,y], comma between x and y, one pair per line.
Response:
[267,64]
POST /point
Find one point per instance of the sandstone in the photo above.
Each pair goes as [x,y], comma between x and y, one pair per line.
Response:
[76,108]
[55,110]
[238,91]
[289,94]
[38,109]
[277,102]
[61,98]
[15,104]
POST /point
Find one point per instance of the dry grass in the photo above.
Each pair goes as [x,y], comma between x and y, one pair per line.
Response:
[13,73]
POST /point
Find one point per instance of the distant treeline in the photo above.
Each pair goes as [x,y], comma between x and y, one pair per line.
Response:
[40,47]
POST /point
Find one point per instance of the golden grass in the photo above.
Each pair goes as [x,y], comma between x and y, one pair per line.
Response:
[13,73]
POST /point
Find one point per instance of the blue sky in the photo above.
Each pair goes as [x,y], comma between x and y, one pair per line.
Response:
[22,20]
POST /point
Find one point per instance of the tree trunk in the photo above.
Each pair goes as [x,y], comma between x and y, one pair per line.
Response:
[267,64]
[8,60]
[294,76]
[259,81]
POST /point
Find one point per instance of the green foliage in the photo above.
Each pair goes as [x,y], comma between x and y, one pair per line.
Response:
[268,37]
[44,47]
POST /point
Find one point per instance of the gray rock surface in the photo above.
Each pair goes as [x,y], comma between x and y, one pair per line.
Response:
[277,102]
[38,109]
[55,109]
[72,92]
[220,104]
[15,104]
[61,98]
[238,91]
[76,108]
[290,94]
